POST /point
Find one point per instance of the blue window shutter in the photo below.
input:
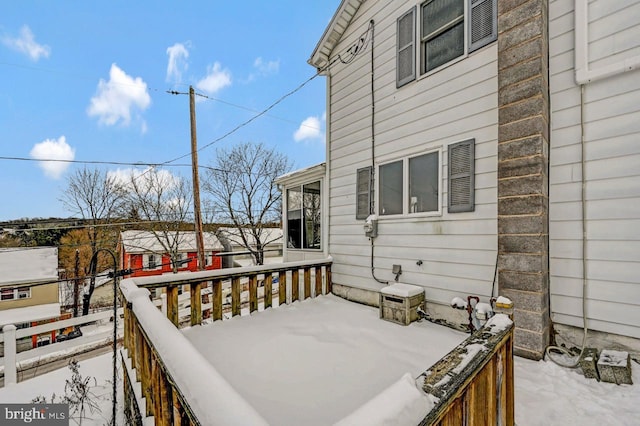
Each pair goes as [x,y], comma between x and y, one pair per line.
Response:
[461,177]
[483,23]
[405,48]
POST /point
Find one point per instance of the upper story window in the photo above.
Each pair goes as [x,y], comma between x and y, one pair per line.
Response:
[14,293]
[410,185]
[448,29]
[304,216]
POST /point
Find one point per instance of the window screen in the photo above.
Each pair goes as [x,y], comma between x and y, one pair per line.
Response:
[442,32]
[391,188]
[423,183]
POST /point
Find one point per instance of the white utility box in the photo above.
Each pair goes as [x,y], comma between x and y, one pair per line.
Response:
[399,303]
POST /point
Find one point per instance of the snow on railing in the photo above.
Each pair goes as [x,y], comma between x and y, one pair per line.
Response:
[178,384]
[473,384]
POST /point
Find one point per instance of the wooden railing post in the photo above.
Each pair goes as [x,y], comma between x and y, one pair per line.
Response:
[172,305]
[268,290]
[295,285]
[307,283]
[235,296]
[216,300]
[318,273]
[253,293]
[282,290]
[196,304]
[328,278]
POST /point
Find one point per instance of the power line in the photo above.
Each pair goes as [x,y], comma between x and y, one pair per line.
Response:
[247,122]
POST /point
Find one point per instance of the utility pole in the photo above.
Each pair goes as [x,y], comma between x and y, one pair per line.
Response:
[76,284]
[196,301]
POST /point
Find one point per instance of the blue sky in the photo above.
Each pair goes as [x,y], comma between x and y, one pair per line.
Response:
[87,81]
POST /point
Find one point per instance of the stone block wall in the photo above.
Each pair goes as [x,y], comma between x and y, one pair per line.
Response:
[523,179]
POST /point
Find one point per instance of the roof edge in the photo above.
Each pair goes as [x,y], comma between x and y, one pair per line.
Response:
[341,19]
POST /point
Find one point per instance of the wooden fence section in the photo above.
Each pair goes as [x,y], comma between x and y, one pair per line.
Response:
[166,368]
[474,382]
[241,280]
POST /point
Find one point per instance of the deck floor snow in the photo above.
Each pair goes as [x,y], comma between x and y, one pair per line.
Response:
[316,361]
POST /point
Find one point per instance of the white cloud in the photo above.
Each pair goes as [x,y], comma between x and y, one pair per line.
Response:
[178,55]
[263,68]
[52,149]
[310,128]
[269,67]
[164,177]
[26,43]
[115,99]
[216,79]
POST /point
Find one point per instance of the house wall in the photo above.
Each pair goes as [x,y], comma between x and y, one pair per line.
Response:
[612,155]
[135,262]
[448,254]
[40,295]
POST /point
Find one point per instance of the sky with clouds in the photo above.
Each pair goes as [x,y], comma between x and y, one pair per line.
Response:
[90,81]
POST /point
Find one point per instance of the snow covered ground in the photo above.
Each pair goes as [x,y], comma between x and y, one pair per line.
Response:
[545,394]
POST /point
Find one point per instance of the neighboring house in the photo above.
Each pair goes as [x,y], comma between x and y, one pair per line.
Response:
[146,255]
[271,239]
[29,289]
[304,214]
[468,129]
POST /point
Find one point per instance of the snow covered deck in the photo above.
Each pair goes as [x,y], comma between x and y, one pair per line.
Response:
[313,359]
[316,361]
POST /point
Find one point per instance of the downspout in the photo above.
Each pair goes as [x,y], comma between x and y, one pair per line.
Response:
[325,187]
[373,145]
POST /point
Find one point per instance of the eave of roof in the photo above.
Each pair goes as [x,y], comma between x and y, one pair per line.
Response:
[333,33]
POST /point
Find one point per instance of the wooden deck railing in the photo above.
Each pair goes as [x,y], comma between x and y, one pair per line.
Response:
[160,363]
[473,384]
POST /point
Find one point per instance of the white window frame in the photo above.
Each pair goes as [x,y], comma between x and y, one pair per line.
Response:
[405,186]
[419,39]
[421,59]
[288,209]
[17,291]
[145,262]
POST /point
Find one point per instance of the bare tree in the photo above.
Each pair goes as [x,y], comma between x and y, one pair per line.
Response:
[242,190]
[97,197]
[164,200]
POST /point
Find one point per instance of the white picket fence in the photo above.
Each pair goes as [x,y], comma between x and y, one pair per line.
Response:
[10,334]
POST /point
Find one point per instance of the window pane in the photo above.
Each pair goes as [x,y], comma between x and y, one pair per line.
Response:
[294,199]
[312,218]
[24,292]
[391,188]
[439,13]
[445,47]
[7,294]
[423,183]
[294,217]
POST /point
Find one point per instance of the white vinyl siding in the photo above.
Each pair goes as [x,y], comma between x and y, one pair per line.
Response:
[458,251]
[612,129]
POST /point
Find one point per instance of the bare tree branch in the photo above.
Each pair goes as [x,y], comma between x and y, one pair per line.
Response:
[242,192]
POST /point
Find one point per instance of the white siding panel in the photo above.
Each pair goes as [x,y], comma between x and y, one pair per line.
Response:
[612,132]
[457,251]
